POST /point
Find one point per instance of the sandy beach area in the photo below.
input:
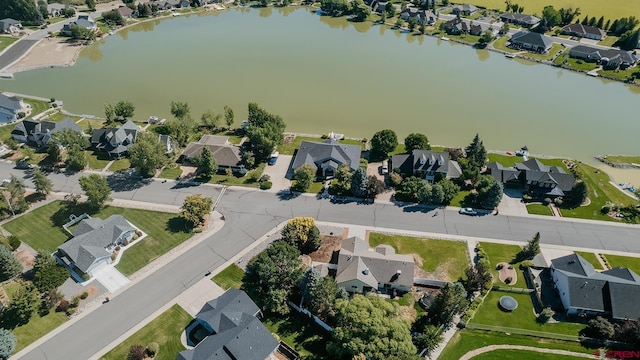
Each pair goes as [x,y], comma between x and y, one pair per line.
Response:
[49,52]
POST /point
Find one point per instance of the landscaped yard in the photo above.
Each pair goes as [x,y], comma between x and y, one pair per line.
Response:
[489,313]
[466,340]
[165,330]
[632,263]
[57,116]
[37,228]
[539,209]
[591,258]
[608,41]
[555,49]
[237,180]
[498,253]
[501,44]
[577,64]
[445,259]
[97,160]
[5,41]
[37,106]
[620,74]
[171,172]
[290,148]
[120,164]
[299,332]
[459,199]
[85,124]
[230,277]
[511,160]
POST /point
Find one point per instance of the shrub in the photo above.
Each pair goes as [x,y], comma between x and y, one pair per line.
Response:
[63,305]
[545,315]
[152,349]
[21,114]
[546,201]
[118,248]
[526,197]
[197,230]
[395,179]
[75,302]
[265,177]
[70,312]
[14,242]
[558,201]
[499,267]
[525,264]
[605,209]
[265,185]
[137,352]
[85,276]
[54,105]
[52,100]
[84,295]
[138,232]
[113,257]
[125,242]
[508,280]
[254,176]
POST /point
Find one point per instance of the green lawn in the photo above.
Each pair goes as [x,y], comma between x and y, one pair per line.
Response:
[5,131]
[466,340]
[93,123]
[37,327]
[458,200]
[120,164]
[5,41]
[97,160]
[620,74]
[37,106]
[555,49]
[446,259]
[521,355]
[171,172]
[511,160]
[576,64]
[468,38]
[299,332]
[165,330]
[230,277]
[632,263]
[539,209]
[489,313]
[591,258]
[236,180]
[608,41]
[620,159]
[498,253]
[57,116]
[290,148]
[600,193]
[37,228]
[315,187]
[500,44]
[610,10]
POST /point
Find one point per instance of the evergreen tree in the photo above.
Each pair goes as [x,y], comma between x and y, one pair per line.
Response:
[9,265]
[206,163]
[359,183]
[42,183]
[533,247]
[7,343]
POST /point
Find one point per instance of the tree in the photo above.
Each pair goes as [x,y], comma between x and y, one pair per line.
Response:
[451,300]
[22,305]
[629,331]
[42,183]
[265,131]
[183,125]
[42,8]
[578,193]
[14,194]
[144,10]
[137,352]
[599,328]
[180,110]
[568,14]
[48,275]
[206,162]
[195,208]
[303,233]
[272,275]
[76,159]
[551,16]
[359,183]
[109,114]
[248,159]
[54,153]
[532,248]
[210,120]
[228,116]
[360,10]
[319,293]
[428,339]
[390,11]
[412,23]
[342,183]
[629,40]
[600,23]
[416,141]
[375,187]
[303,176]
[7,343]
[114,17]
[370,325]
[9,265]
[478,277]
[383,142]
[124,109]
[96,189]
[91,4]
[545,315]
[486,37]
[449,189]
[493,195]
[68,138]
[82,33]
[399,22]
[21,10]
[476,153]
[147,154]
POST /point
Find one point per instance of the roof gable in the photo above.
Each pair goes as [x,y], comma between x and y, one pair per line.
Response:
[313,153]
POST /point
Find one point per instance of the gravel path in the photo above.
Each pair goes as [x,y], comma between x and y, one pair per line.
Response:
[485,349]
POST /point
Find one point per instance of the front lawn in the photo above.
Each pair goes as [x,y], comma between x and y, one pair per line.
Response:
[632,263]
[234,180]
[498,253]
[608,41]
[591,258]
[299,332]
[97,160]
[37,327]
[458,200]
[38,230]
[171,172]
[230,277]
[466,340]
[316,187]
[445,259]
[120,164]
[5,41]
[37,106]
[539,209]
[489,313]
[165,330]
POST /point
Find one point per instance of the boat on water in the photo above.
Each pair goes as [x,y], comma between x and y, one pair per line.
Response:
[510,55]
[444,38]
[6,75]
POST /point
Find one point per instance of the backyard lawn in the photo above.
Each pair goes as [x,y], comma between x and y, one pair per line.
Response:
[620,74]
[37,106]
[511,160]
[445,259]
[539,209]
[299,332]
[466,340]
[591,258]
[498,253]
[230,277]
[632,263]
[165,330]
[512,354]
[621,159]
[37,228]
[501,44]
[58,116]
[489,313]
[290,148]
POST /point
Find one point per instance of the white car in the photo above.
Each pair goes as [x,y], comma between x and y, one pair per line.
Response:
[468,211]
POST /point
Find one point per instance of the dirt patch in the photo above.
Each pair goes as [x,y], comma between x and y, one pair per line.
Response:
[50,52]
[506,273]
[408,313]
[91,291]
[441,272]
[330,244]
[26,258]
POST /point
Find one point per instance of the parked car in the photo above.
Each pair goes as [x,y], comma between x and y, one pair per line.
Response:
[468,211]
[23,165]
[273,158]
[385,167]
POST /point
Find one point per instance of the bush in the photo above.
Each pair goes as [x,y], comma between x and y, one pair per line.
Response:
[152,349]
[137,352]
[54,105]
[138,232]
[525,264]
[84,295]
[85,276]
[75,302]
[21,114]
[395,179]
[558,201]
[14,242]
[265,177]
[63,306]
[499,267]
[605,209]
[546,201]
[526,197]
[254,176]
[197,230]
[265,185]
[508,280]
[52,100]
[545,315]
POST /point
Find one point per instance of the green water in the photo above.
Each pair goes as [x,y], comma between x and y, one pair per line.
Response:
[323,74]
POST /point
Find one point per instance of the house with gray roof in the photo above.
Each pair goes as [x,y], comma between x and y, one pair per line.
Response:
[126,12]
[227,156]
[584,31]
[609,58]
[422,16]
[93,242]
[533,177]
[327,156]
[464,9]
[115,141]
[458,26]
[235,331]
[41,133]
[361,269]
[11,107]
[430,165]
[10,26]
[83,21]
[582,290]
[523,20]
[531,41]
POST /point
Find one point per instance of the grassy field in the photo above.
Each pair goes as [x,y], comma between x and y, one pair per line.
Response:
[37,228]
[466,340]
[300,333]
[623,159]
[489,313]
[511,160]
[37,106]
[632,263]
[230,277]
[289,149]
[5,41]
[91,123]
[610,10]
[501,44]
[608,41]
[164,330]
[171,172]
[446,259]
[498,253]
[521,355]
[539,209]
[591,258]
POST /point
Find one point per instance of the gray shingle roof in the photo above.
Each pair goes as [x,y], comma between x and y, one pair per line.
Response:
[115,141]
[10,102]
[420,160]
[597,54]
[317,153]
[532,38]
[583,30]
[574,264]
[520,18]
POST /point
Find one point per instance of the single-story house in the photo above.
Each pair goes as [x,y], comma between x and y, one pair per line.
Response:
[10,26]
[327,156]
[235,331]
[464,9]
[431,165]
[11,107]
[227,156]
[94,241]
[613,293]
[115,141]
[83,21]
[608,57]
[361,269]
[422,16]
[531,41]
[523,20]
[126,12]
[584,31]
[461,26]
[41,133]
[534,177]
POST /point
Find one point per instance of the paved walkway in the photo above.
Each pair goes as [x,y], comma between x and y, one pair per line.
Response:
[485,349]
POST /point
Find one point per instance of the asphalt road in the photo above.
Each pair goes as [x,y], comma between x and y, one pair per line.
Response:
[251,213]
[16,51]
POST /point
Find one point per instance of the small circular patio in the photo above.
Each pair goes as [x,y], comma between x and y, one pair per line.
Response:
[507,303]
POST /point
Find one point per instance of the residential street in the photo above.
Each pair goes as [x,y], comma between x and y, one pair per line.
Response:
[250,213]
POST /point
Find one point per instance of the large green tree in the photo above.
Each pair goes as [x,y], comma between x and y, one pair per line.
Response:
[96,189]
[124,109]
[24,11]
[272,276]
[82,33]
[228,116]
[360,10]
[147,154]
[183,125]
[69,138]
[15,195]
[578,194]
[303,177]
[476,153]
[76,158]
[478,277]
[210,120]
[303,233]
[206,162]
[23,303]
[451,300]
[113,17]
[383,142]
[195,208]
[372,326]
[48,274]
[551,16]
[7,343]
[265,131]
[359,183]
[416,141]
[319,293]
[342,183]
[9,265]
[42,183]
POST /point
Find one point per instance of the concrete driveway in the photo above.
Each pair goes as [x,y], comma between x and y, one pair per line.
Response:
[110,278]
[511,203]
[278,173]
[374,169]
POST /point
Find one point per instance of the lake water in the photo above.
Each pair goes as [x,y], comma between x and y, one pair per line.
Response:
[323,74]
